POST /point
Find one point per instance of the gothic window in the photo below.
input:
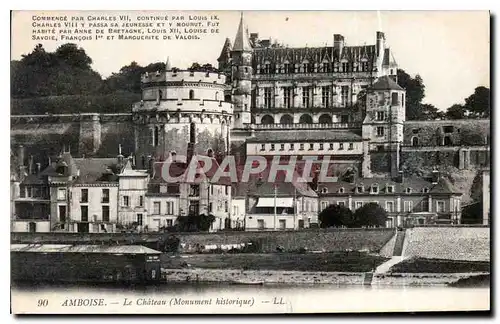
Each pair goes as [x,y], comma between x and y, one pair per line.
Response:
[305,119]
[326,67]
[267,119]
[380,115]
[287,96]
[306,97]
[325,119]
[325,96]
[414,141]
[345,95]
[192,133]
[345,66]
[267,97]
[267,68]
[364,67]
[286,119]
[191,94]
[380,131]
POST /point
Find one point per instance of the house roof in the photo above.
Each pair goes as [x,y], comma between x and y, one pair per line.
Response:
[261,185]
[313,54]
[386,83]
[320,135]
[94,170]
[417,185]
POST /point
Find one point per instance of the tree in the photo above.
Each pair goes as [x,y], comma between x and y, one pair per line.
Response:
[456,111]
[74,56]
[428,112]
[478,103]
[415,93]
[195,223]
[335,215]
[371,214]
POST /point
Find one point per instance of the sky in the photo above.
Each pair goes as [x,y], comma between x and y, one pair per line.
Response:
[450,50]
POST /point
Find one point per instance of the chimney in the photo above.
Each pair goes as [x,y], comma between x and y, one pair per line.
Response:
[254,37]
[380,43]
[400,176]
[190,152]
[120,157]
[435,176]
[338,43]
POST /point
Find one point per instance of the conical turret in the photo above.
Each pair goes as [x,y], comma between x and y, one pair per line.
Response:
[241,41]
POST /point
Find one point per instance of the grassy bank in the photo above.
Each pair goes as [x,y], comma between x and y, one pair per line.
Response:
[327,262]
[423,265]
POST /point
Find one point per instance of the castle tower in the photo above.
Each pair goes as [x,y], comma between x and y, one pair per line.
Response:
[182,112]
[241,61]
[382,128]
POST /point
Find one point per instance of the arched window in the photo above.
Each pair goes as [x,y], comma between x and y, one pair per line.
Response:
[414,141]
[191,94]
[305,119]
[192,133]
[325,119]
[286,119]
[267,119]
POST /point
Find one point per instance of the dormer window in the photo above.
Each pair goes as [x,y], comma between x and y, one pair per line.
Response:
[390,189]
[425,190]
[408,190]
[324,190]
[341,190]
[375,189]
[360,189]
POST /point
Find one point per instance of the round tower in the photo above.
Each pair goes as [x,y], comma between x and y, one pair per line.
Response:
[181,112]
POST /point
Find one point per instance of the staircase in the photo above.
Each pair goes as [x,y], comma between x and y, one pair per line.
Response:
[367,281]
[398,246]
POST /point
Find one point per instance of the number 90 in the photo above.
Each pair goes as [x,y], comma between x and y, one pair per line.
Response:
[43,303]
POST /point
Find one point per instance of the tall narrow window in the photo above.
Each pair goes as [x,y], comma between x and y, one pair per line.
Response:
[105,213]
[139,219]
[192,133]
[326,67]
[156,136]
[306,97]
[325,96]
[287,97]
[395,98]
[191,94]
[286,67]
[345,67]
[267,97]
[345,95]
[62,213]
[85,196]
[84,210]
[105,195]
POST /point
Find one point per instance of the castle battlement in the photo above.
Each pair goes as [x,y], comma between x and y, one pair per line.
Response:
[184,76]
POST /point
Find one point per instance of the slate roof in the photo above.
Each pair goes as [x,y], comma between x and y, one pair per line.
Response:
[259,185]
[314,54]
[416,184]
[306,136]
[95,170]
[386,83]
[241,41]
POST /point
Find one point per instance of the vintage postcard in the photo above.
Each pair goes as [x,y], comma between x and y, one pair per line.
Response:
[249,162]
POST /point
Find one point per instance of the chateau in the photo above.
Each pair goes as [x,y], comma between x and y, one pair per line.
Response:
[95,172]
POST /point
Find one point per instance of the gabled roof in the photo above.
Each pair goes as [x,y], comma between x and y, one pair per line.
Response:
[65,159]
[241,41]
[259,185]
[386,83]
